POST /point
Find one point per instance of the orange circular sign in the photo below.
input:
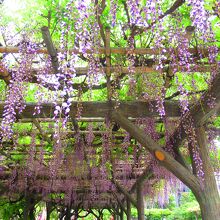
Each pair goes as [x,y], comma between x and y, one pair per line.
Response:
[159,155]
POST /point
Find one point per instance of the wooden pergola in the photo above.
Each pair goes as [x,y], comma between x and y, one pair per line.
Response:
[124,113]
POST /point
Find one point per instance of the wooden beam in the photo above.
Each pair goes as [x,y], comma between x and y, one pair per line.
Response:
[134,109]
[122,51]
[6,76]
[113,69]
[82,119]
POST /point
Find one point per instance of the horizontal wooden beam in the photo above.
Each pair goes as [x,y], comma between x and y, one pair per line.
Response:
[64,175]
[114,69]
[82,119]
[102,50]
[137,69]
[134,109]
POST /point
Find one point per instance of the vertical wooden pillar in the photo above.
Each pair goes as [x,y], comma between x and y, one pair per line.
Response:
[140,201]
[28,213]
[118,213]
[68,213]
[121,214]
[117,217]
[49,209]
[114,216]
[108,62]
[128,209]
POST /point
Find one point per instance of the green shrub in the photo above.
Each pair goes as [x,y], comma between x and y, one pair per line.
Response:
[157,214]
[187,211]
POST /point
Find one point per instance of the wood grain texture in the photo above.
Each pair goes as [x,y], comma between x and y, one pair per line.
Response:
[133,109]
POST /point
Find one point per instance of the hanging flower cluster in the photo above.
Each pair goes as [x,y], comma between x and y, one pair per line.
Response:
[15,96]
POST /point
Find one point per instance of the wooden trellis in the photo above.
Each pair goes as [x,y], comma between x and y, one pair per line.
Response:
[120,112]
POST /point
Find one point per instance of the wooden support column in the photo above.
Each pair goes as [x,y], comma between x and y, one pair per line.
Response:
[49,209]
[28,213]
[108,63]
[128,209]
[117,213]
[140,201]
[68,213]
[115,216]
[121,214]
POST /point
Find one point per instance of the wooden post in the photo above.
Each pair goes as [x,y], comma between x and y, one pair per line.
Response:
[140,202]
[118,213]
[128,209]
[121,214]
[115,216]
[68,213]
[108,63]
[49,209]
[28,213]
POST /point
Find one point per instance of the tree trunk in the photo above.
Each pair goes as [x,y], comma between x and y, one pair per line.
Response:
[140,202]
[209,200]
[210,208]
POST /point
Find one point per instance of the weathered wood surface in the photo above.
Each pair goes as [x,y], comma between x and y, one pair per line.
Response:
[50,47]
[108,63]
[102,50]
[135,109]
[127,70]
